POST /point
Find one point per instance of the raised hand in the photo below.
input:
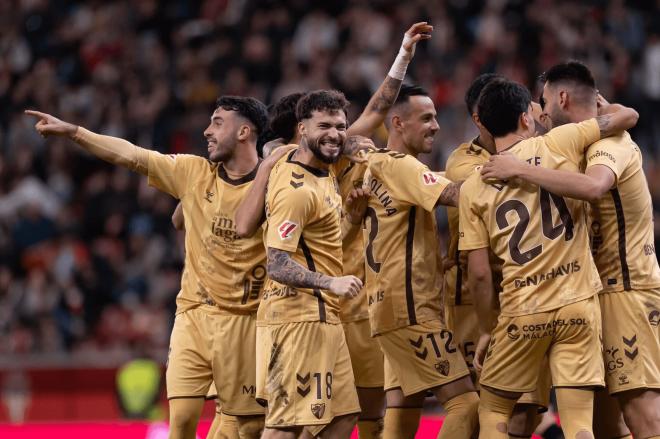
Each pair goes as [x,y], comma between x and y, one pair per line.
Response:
[47,125]
[345,286]
[417,32]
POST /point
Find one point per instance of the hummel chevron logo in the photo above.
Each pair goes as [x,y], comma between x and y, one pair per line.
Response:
[632,355]
[630,342]
[297,176]
[295,185]
[418,344]
[304,388]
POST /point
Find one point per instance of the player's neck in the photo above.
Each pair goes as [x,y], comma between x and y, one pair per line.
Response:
[506,142]
[581,114]
[394,143]
[242,162]
[305,156]
[486,144]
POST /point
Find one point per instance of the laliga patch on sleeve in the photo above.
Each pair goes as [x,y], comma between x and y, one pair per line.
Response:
[286,229]
[430,178]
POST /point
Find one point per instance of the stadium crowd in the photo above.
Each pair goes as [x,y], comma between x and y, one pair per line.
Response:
[86,266]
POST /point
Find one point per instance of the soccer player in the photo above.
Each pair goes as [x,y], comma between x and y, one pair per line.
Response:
[547,305]
[366,357]
[310,379]
[224,273]
[621,223]
[403,283]
[461,318]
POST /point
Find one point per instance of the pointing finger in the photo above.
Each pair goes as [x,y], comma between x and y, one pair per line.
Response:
[36,113]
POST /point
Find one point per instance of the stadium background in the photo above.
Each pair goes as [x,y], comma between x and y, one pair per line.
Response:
[89,261]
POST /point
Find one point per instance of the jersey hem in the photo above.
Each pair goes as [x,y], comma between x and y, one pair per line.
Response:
[549,308]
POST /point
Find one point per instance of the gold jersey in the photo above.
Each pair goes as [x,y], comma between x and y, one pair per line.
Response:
[303,217]
[541,238]
[221,269]
[460,165]
[352,308]
[403,264]
[622,240]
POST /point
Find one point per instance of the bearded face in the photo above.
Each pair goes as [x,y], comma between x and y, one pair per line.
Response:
[325,134]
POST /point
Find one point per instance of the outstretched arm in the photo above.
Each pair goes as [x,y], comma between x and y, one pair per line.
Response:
[283,269]
[380,103]
[590,186]
[250,213]
[111,149]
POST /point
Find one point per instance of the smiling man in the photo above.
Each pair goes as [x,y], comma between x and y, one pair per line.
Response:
[223,274]
[309,378]
[403,281]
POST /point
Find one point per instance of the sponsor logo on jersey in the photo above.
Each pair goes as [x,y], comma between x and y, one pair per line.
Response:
[286,229]
[430,178]
[513,332]
[654,317]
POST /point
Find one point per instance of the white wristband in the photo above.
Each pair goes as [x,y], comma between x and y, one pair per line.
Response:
[400,65]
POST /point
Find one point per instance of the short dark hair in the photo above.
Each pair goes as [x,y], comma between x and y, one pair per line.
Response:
[320,100]
[283,119]
[500,105]
[407,91]
[570,72]
[250,108]
[473,92]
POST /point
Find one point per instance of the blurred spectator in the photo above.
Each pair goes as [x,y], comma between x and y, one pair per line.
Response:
[88,258]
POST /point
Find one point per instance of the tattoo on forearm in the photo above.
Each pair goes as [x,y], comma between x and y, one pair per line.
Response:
[604,122]
[386,95]
[283,269]
[449,196]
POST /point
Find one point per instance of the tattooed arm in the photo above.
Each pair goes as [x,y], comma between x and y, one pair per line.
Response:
[449,196]
[376,110]
[621,119]
[380,103]
[283,269]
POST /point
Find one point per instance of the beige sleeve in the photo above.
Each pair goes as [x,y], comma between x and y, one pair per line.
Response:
[114,150]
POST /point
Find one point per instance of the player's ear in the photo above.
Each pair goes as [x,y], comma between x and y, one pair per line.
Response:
[563,99]
[301,129]
[244,132]
[396,122]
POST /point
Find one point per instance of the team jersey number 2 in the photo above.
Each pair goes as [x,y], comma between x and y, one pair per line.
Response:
[550,230]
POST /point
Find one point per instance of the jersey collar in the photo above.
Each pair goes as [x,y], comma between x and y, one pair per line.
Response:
[315,171]
[222,173]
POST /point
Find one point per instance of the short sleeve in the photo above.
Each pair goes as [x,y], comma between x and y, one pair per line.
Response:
[612,152]
[472,231]
[409,180]
[571,140]
[289,211]
[172,173]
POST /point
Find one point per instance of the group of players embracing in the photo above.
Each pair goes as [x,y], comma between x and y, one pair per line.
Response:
[314,295]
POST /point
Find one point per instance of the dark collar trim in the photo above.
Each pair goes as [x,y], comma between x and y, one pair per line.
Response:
[222,173]
[510,146]
[315,171]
